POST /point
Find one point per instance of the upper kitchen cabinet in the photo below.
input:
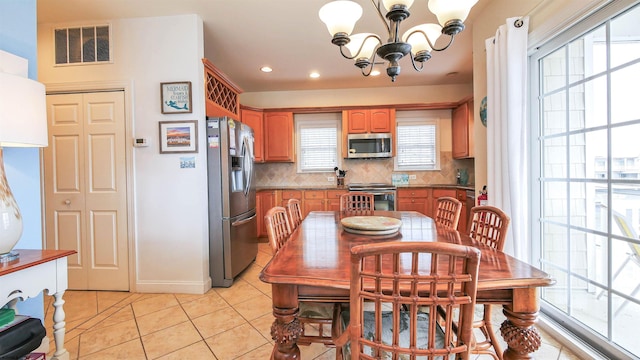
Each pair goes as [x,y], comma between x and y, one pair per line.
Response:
[221,95]
[278,137]
[364,121]
[255,120]
[462,130]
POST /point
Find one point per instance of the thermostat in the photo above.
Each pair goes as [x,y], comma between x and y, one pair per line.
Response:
[140,142]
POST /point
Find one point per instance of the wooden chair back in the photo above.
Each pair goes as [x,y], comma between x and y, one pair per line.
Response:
[357,203]
[278,228]
[489,226]
[448,212]
[392,285]
[294,212]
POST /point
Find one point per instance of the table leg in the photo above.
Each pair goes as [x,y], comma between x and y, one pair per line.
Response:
[286,328]
[518,329]
[59,327]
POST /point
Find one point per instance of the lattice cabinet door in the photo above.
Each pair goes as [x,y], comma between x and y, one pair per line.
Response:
[221,94]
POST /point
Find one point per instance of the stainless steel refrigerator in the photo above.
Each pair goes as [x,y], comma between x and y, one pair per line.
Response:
[233,242]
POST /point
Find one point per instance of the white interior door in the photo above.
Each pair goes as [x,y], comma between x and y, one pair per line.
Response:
[85,187]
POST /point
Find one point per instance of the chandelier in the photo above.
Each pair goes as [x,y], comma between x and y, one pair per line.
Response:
[340,17]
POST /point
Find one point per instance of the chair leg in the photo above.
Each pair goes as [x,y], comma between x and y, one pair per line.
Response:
[488,330]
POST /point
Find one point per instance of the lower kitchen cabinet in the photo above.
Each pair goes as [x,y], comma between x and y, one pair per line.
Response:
[285,195]
[415,199]
[333,200]
[314,200]
[265,200]
[321,200]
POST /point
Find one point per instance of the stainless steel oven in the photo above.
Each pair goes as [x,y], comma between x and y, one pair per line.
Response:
[384,195]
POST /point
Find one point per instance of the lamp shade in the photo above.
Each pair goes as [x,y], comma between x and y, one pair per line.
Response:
[367,49]
[388,4]
[23,112]
[416,36]
[340,16]
[447,10]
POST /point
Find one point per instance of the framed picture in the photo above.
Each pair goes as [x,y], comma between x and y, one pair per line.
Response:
[175,97]
[178,137]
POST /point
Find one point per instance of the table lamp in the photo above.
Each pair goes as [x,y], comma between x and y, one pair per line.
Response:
[23,123]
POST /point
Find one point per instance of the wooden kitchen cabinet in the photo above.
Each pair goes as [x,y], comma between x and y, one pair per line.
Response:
[321,200]
[364,121]
[314,200]
[414,199]
[278,137]
[333,199]
[265,200]
[289,194]
[255,121]
[462,131]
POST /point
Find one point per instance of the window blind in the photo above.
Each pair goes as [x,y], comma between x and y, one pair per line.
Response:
[317,141]
[416,146]
[318,148]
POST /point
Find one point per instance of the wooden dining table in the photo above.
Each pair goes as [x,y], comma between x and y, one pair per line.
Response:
[314,265]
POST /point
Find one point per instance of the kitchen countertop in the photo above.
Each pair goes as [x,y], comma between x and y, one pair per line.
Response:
[318,187]
[451,186]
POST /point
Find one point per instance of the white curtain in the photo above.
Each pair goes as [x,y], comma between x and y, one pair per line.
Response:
[507,131]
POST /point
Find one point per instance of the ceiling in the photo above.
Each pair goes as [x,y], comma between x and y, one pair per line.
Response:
[241,36]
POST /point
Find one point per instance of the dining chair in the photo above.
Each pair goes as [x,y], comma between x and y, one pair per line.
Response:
[391,284]
[278,227]
[357,203]
[294,212]
[488,226]
[315,317]
[448,212]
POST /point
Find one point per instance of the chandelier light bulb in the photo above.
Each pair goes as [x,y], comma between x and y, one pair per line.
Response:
[368,48]
[388,4]
[340,16]
[417,36]
[446,10]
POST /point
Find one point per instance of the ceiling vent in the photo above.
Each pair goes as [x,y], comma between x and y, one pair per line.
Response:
[83,45]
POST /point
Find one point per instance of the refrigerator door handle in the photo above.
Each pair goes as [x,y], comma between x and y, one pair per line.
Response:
[248,164]
[243,221]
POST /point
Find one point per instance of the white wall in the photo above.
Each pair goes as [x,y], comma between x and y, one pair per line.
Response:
[170,226]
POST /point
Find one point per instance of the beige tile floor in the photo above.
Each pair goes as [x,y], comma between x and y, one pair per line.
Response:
[224,323]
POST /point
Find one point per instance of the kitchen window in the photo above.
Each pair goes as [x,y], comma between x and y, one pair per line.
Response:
[587,127]
[317,142]
[417,141]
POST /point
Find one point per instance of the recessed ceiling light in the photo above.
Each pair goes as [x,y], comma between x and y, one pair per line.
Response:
[375,73]
[266,69]
[314,75]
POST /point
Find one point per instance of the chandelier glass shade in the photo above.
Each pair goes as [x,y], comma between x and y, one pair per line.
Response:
[365,48]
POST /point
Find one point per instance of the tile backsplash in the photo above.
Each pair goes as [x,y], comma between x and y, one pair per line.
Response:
[361,171]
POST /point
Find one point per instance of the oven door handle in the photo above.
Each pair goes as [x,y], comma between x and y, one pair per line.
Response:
[381,193]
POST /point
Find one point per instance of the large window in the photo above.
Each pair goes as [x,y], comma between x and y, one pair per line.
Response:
[588,189]
[417,141]
[317,142]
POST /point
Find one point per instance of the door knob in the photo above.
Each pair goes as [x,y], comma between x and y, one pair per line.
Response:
[67,202]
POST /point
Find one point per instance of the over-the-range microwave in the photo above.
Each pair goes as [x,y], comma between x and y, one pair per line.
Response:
[369,145]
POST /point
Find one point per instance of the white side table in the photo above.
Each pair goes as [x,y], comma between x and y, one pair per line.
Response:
[33,272]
